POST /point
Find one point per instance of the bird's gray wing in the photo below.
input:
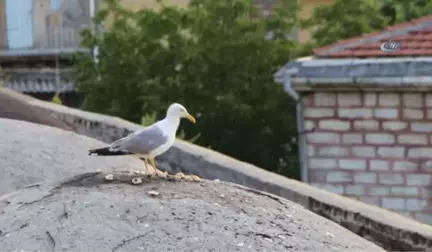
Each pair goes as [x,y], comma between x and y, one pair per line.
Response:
[142,141]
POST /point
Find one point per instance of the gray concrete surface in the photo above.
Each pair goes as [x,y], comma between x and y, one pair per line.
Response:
[86,213]
[30,153]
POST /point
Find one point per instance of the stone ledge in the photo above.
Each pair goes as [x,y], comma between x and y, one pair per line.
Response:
[387,229]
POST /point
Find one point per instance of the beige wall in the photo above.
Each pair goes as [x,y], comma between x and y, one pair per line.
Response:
[41,9]
[3,34]
[139,4]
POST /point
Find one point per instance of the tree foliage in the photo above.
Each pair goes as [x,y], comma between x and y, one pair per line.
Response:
[350,18]
[214,58]
[399,11]
[56,99]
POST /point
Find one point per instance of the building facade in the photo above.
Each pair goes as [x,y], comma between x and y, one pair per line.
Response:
[37,38]
[365,117]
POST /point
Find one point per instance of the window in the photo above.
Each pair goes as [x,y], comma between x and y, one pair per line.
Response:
[19,23]
[55,4]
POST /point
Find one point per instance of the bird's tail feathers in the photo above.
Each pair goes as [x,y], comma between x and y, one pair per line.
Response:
[107,152]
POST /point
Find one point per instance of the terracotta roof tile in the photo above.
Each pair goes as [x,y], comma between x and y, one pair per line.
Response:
[414,42]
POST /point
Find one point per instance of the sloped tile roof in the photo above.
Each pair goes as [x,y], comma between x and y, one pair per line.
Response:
[415,36]
[357,70]
[358,63]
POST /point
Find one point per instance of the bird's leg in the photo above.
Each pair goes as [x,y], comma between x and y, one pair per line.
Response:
[154,166]
[146,165]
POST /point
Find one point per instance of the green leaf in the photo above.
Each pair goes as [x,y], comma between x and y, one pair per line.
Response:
[56,99]
[346,19]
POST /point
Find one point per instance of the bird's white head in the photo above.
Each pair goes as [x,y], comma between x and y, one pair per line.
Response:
[179,111]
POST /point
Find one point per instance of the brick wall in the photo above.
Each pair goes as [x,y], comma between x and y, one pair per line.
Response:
[374,147]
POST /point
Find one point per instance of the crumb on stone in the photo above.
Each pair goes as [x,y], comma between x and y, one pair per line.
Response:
[179,175]
[137,181]
[159,173]
[140,172]
[196,178]
[193,178]
[109,177]
[153,193]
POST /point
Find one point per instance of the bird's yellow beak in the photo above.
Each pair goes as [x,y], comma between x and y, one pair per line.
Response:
[191,118]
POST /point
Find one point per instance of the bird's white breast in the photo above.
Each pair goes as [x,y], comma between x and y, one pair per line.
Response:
[169,127]
[164,147]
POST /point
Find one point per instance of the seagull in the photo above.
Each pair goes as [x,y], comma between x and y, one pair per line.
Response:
[150,141]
